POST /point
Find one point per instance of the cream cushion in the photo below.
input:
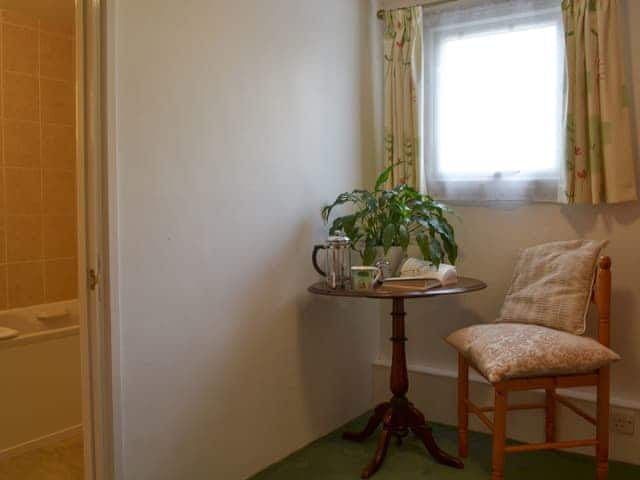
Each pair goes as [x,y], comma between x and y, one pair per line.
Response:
[512,350]
[551,285]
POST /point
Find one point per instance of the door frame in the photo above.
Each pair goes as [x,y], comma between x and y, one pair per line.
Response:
[95,225]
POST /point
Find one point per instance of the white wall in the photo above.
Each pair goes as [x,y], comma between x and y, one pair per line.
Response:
[235,122]
[490,237]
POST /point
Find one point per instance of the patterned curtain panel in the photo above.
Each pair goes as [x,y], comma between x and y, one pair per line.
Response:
[600,164]
[403,87]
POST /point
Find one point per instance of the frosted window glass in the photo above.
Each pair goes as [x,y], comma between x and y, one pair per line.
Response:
[498,105]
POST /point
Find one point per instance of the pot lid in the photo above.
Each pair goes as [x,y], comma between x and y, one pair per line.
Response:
[339,238]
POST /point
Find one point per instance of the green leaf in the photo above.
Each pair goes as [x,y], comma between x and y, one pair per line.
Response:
[348,225]
[388,235]
[448,229]
[451,248]
[403,237]
[449,242]
[369,255]
[325,212]
[348,222]
[383,177]
[423,244]
[435,250]
[340,200]
[335,226]
[367,199]
[437,225]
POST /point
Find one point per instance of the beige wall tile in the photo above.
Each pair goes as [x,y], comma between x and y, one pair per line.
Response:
[58,27]
[20,97]
[24,238]
[20,49]
[23,191]
[59,191]
[22,143]
[61,280]
[56,56]
[3,287]
[60,236]
[3,251]
[57,102]
[25,284]
[58,146]
[37,161]
[2,189]
[17,18]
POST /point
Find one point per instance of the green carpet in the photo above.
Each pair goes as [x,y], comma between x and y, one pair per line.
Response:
[332,458]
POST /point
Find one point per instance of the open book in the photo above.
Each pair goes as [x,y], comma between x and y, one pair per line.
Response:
[417,274]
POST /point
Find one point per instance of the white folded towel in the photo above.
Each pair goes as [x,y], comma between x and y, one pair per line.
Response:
[6,333]
[52,314]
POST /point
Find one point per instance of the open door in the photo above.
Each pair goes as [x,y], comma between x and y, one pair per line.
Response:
[93,221]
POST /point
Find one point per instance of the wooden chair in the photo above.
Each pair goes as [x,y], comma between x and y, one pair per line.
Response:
[601,297]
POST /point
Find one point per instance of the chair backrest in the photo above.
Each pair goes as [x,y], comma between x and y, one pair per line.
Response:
[601,296]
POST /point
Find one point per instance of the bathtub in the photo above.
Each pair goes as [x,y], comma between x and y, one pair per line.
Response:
[40,383]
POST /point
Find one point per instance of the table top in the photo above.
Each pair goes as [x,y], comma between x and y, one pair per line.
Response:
[464,285]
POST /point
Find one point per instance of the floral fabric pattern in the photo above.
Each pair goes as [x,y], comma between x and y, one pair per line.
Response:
[403,92]
[505,351]
[600,166]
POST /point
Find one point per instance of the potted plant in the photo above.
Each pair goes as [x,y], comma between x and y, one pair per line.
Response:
[383,223]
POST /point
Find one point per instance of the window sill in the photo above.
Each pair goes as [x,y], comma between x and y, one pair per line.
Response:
[497,191]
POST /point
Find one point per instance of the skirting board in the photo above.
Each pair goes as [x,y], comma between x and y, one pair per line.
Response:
[475,378]
[41,442]
[434,391]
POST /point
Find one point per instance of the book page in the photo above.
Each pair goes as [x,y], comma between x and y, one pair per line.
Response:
[415,269]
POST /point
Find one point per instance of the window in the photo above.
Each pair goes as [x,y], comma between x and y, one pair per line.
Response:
[494,102]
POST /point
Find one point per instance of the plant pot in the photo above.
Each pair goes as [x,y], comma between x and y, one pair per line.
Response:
[394,256]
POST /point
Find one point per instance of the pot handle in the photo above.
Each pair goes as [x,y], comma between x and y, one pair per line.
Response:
[378,276]
[315,260]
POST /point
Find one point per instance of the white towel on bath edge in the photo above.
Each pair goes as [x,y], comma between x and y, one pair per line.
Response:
[6,333]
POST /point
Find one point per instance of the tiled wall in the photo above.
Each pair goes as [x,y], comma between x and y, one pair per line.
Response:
[38,223]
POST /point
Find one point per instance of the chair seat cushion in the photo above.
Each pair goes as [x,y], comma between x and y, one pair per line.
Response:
[505,351]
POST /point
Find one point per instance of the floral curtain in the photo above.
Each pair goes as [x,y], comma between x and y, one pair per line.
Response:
[403,90]
[600,165]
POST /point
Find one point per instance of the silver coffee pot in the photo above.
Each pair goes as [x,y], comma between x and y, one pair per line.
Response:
[338,260]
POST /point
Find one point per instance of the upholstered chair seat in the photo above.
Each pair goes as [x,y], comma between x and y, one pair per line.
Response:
[503,351]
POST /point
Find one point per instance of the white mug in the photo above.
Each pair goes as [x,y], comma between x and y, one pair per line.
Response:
[364,278]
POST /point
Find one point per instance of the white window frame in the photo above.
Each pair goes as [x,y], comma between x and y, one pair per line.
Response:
[544,185]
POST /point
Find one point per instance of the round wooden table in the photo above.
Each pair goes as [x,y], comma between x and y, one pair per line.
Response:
[399,415]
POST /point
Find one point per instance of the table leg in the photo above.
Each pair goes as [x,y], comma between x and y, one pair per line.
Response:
[372,425]
[399,415]
[381,450]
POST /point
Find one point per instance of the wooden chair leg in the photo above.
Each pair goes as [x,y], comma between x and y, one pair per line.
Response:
[550,415]
[602,449]
[499,434]
[463,409]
